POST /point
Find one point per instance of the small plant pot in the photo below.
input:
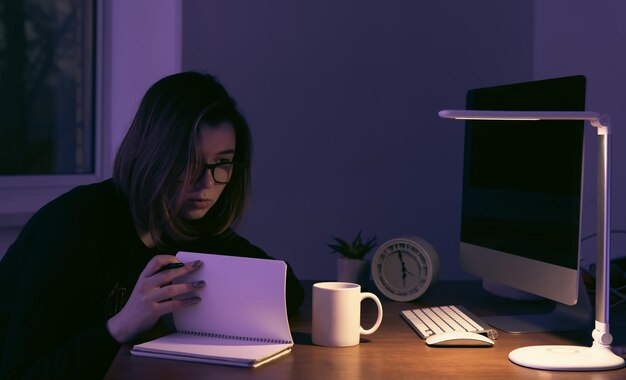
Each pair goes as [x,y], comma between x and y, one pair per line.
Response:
[353,270]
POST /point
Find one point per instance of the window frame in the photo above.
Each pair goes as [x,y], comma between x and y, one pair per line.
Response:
[22,195]
[128,62]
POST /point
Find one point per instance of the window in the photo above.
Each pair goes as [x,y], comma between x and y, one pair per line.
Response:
[50,138]
[47,81]
[120,60]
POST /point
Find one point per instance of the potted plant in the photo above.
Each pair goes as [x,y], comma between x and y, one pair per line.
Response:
[352,266]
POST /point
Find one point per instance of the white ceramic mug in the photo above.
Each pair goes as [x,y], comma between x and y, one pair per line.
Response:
[337,314]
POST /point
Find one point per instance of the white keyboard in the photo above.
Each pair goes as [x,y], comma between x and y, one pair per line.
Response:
[427,321]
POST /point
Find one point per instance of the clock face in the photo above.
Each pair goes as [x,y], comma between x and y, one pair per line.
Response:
[403,269]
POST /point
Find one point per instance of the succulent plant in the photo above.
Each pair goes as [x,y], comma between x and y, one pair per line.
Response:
[355,250]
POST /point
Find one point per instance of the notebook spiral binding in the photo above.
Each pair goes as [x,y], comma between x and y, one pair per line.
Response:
[235,337]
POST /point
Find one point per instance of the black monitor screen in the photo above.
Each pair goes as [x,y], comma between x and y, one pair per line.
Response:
[522,179]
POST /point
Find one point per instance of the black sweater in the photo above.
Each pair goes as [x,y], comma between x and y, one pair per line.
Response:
[73,266]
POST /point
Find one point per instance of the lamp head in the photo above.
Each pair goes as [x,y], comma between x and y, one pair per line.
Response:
[600,121]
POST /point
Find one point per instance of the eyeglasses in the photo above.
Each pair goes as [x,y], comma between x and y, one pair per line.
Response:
[221,172]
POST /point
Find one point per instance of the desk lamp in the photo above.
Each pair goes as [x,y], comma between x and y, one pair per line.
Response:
[572,358]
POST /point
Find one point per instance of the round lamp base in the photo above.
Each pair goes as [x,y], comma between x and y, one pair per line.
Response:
[566,358]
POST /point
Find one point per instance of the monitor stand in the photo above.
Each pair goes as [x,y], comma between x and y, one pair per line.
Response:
[561,318]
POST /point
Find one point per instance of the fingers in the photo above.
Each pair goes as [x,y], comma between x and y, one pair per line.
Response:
[156,263]
[170,266]
[177,304]
[168,276]
[157,274]
[175,290]
[166,301]
[158,287]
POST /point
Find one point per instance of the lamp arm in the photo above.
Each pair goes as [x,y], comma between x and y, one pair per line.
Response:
[597,120]
[601,334]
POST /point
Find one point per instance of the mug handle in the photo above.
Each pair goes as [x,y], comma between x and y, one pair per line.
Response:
[379,319]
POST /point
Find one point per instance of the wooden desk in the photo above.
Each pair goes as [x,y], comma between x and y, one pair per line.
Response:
[393,352]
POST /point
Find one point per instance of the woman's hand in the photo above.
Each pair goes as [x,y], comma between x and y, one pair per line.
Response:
[152,297]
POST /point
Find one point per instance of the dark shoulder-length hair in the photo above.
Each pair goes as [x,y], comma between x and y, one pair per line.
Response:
[159,157]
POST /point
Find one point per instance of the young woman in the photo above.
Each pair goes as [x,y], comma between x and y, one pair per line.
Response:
[84,276]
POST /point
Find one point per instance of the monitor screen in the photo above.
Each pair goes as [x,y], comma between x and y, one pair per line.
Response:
[522,189]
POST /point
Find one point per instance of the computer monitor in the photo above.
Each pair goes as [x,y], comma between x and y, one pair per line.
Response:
[522,197]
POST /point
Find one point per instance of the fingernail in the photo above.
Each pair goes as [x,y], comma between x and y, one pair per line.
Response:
[196,263]
[198,284]
[195,299]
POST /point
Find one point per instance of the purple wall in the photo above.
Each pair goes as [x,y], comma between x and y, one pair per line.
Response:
[589,38]
[342,98]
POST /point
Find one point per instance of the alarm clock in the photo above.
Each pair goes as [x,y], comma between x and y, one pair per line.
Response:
[404,268]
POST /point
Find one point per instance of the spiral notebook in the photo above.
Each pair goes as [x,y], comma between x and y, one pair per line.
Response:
[241,320]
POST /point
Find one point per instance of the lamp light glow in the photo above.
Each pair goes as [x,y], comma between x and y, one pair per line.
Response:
[573,358]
